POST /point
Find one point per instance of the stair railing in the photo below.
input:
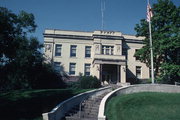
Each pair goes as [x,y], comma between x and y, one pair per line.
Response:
[80,105]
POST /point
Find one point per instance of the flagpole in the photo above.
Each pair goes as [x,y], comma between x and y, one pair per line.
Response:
[152,64]
[151,50]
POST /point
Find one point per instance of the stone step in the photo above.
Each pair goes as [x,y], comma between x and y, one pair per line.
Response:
[89,109]
[77,118]
[83,115]
[90,114]
[91,104]
[72,118]
[94,110]
[93,101]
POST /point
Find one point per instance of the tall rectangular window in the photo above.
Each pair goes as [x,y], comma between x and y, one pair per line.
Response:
[87,69]
[137,58]
[72,68]
[88,51]
[58,48]
[138,71]
[73,51]
[57,66]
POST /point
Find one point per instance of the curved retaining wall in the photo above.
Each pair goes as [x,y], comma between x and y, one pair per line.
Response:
[60,110]
[135,89]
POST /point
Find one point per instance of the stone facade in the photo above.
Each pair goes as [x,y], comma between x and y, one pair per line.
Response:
[108,55]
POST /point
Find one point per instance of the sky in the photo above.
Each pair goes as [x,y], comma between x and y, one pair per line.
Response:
[82,15]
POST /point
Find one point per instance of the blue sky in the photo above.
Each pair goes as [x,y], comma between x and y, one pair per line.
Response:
[82,15]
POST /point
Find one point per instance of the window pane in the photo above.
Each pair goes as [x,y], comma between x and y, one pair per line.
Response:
[72,68]
[87,69]
[88,51]
[73,51]
[108,50]
[58,50]
[112,50]
[103,49]
[138,71]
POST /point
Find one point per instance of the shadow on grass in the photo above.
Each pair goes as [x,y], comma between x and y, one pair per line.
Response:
[29,105]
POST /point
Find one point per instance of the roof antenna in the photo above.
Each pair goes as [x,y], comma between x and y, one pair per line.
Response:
[102,13]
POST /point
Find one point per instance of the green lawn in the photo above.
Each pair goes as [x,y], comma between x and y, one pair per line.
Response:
[29,105]
[144,106]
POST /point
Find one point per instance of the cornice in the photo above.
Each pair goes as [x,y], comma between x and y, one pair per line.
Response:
[108,37]
[83,37]
[94,36]
[79,37]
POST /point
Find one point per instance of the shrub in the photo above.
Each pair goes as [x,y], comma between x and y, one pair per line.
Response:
[87,82]
[73,85]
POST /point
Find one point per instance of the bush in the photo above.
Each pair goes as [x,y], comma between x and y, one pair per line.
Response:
[73,85]
[87,82]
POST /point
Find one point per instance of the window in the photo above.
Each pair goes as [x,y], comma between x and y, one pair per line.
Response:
[73,50]
[57,66]
[72,68]
[137,58]
[87,69]
[88,51]
[138,71]
[58,50]
[107,50]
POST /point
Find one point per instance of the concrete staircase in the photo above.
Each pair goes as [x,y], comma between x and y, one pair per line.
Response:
[88,110]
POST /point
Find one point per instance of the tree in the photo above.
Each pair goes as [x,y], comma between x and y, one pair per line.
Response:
[22,64]
[166,41]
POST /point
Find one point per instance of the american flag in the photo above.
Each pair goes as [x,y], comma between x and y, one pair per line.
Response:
[149,13]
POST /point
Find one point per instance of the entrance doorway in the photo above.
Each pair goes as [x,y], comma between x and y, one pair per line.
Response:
[109,73]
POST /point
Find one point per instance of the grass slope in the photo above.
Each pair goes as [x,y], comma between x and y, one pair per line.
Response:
[29,105]
[144,106]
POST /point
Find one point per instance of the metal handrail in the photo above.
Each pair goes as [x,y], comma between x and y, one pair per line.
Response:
[81,105]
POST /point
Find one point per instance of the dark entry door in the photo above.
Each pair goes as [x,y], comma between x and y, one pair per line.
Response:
[109,73]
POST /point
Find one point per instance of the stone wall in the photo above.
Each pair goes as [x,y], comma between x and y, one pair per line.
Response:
[135,89]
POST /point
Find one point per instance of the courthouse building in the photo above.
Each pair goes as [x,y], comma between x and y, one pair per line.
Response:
[108,55]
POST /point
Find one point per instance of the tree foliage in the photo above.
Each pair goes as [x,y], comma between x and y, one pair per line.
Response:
[22,64]
[166,40]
